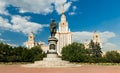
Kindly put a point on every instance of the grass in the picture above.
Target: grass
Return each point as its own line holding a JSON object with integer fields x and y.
{"x": 109, "y": 64}
{"x": 14, "y": 63}
{"x": 99, "y": 64}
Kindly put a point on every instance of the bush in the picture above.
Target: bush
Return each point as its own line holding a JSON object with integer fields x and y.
{"x": 75, "y": 52}
{"x": 112, "y": 56}
{"x": 20, "y": 54}
{"x": 37, "y": 53}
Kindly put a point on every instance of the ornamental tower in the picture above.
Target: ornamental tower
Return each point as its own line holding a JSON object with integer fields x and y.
{"x": 96, "y": 39}
{"x": 30, "y": 43}
{"x": 63, "y": 34}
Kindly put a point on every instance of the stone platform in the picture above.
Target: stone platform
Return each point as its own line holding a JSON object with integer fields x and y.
{"x": 52, "y": 60}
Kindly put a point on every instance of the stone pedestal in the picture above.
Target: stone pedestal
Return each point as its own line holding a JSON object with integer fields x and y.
{"x": 52, "y": 60}
{"x": 52, "y": 45}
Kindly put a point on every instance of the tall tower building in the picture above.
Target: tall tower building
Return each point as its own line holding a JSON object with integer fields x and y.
{"x": 30, "y": 43}
{"x": 96, "y": 39}
{"x": 63, "y": 34}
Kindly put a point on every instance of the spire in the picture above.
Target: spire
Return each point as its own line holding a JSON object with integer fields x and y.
{"x": 95, "y": 32}
{"x": 95, "y": 35}
{"x": 31, "y": 34}
{"x": 63, "y": 17}
{"x": 63, "y": 8}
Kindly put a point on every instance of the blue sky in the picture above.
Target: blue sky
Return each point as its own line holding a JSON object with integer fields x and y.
{"x": 19, "y": 18}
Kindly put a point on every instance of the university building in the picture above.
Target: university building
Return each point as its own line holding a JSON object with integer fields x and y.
{"x": 31, "y": 41}
{"x": 96, "y": 40}
{"x": 63, "y": 35}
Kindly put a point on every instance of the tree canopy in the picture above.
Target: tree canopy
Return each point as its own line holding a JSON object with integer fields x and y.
{"x": 20, "y": 54}
{"x": 112, "y": 56}
{"x": 74, "y": 52}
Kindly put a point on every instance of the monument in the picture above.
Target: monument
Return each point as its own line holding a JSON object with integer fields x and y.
{"x": 52, "y": 40}
{"x": 52, "y": 59}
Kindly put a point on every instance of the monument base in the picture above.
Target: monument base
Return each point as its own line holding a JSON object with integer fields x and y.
{"x": 52, "y": 60}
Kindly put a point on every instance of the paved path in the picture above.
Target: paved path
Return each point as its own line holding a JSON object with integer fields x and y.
{"x": 82, "y": 69}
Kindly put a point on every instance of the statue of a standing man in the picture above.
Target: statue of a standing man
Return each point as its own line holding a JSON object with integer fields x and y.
{"x": 53, "y": 27}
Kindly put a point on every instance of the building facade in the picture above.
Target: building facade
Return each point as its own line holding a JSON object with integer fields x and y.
{"x": 96, "y": 40}
{"x": 63, "y": 34}
{"x": 31, "y": 41}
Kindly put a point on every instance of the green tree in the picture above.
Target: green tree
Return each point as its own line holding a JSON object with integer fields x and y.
{"x": 27, "y": 56}
{"x": 5, "y": 52}
{"x": 95, "y": 51}
{"x": 37, "y": 53}
{"x": 74, "y": 52}
{"x": 19, "y": 54}
{"x": 112, "y": 56}
{"x": 23, "y": 54}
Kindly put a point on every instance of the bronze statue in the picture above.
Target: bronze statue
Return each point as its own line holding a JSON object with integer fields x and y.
{"x": 53, "y": 27}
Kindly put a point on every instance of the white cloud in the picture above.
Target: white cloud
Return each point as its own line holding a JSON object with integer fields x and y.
{"x": 21, "y": 24}
{"x": 3, "y": 7}
{"x": 4, "y": 23}
{"x": 6, "y": 42}
{"x": 36, "y": 6}
{"x": 104, "y": 36}
{"x": 1, "y": 39}
{"x": 82, "y": 36}
{"x": 13, "y": 45}
{"x": 74, "y": 0}
{"x": 58, "y": 5}
{"x": 110, "y": 46}
{"x": 73, "y": 12}
{"x": 74, "y": 8}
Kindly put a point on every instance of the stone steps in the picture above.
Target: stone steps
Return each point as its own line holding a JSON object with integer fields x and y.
{"x": 52, "y": 56}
